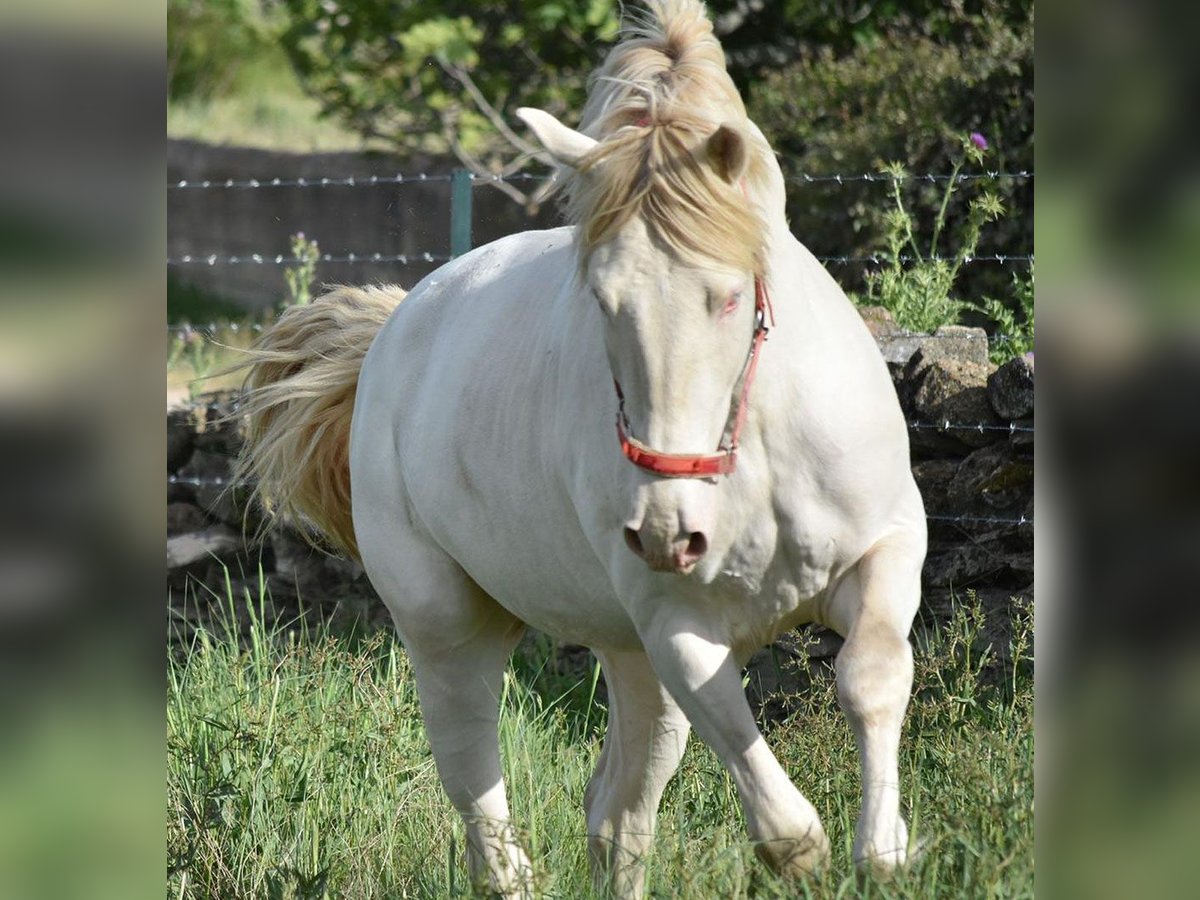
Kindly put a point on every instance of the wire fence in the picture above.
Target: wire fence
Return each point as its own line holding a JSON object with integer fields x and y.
{"x": 399, "y": 178}
{"x": 404, "y": 259}
{"x": 461, "y": 182}
{"x": 212, "y": 329}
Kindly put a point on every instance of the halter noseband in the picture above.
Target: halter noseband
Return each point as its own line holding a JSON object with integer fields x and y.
{"x": 689, "y": 465}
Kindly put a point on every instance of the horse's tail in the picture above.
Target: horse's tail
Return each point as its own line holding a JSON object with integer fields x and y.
{"x": 298, "y": 400}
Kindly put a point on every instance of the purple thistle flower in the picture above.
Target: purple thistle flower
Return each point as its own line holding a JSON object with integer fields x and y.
{"x": 979, "y": 140}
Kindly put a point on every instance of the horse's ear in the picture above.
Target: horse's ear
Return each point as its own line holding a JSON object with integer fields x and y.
{"x": 728, "y": 154}
{"x": 566, "y": 145}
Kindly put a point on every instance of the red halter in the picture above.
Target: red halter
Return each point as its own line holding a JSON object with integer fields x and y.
{"x": 689, "y": 465}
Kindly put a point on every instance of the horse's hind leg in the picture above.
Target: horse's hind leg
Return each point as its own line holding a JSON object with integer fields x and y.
{"x": 459, "y": 640}
{"x": 874, "y": 609}
{"x": 647, "y": 734}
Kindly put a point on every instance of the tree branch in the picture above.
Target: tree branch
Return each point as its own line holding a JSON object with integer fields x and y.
{"x": 463, "y": 77}
{"x": 474, "y": 165}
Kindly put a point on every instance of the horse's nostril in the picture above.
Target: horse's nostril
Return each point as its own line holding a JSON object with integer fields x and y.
{"x": 634, "y": 542}
{"x": 697, "y": 545}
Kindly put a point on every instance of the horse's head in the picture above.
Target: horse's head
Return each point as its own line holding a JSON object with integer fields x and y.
{"x": 671, "y": 252}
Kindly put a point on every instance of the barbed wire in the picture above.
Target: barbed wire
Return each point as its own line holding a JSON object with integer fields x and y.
{"x": 980, "y": 520}
{"x": 311, "y": 181}
{"x": 210, "y": 330}
{"x": 880, "y": 259}
{"x": 404, "y": 259}
{"x": 399, "y": 178}
{"x": 281, "y": 259}
{"x": 889, "y": 177}
{"x": 979, "y": 427}
{"x": 218, "y": 481}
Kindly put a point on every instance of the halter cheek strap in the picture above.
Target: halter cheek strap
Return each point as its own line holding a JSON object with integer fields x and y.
{"x": 709, "y": 465}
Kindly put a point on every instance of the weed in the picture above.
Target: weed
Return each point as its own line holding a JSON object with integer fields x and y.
{"x": 299, "y": 278}
{"x": 920, "y": 293}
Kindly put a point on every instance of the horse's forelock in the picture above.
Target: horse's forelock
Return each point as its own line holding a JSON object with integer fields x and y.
{"x": 661, "y": 92}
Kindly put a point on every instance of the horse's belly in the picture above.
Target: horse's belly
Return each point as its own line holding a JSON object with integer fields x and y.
{"x": 543, "y": 576}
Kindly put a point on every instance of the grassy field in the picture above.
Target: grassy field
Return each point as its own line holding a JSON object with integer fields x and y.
{"x": 298, "y": 767}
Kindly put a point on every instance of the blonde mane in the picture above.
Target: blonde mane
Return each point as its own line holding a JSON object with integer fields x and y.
{"x": 660, "y": 94}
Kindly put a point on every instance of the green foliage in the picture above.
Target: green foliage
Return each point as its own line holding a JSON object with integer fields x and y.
{"x": 1016, "y": 323}
{"x": 192, "y": 346}
{"x": 299, "y": 278}
{"x": 209, "y": 41}
{"x": 905, "y": 86}
{"x": 188, "y": 303}
{"x": 298, "y": 766}
{"x": 434, "y": 76}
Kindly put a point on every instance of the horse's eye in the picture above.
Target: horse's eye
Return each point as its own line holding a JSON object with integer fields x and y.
{"x": 731, "y": 303}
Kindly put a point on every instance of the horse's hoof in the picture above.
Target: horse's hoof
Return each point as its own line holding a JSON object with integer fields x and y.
{"x": 795, "y": 858}
{"x": 884, "y": 865}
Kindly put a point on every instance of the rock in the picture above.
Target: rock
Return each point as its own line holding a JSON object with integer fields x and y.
{"x": 998, "y": 607}
{"x": 899, "y": 348}
{"x": 215, "y": 494}
{"x": 992, "y": 481}
{"x": 951, "y": 391}
{"x": 184, "y": 517}
{"x": 1010, "y": 388}
{"x": 879, "y": 322}
{"x": 957, "y": 342}
{"x": 200, "y": 546}
{"x": 217, "y": 428}
{"x": 933, "y": 476}
{"x": 1022, "y": 435}
{"x": 180, "y": 438}
{"x": 972, "y": 565}
{"x": 313, "y": 574}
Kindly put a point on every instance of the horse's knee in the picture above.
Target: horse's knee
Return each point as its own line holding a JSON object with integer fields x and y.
{"x": 874, "y": 676}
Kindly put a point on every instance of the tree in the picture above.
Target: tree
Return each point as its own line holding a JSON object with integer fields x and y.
{"x": 442, "y": 76}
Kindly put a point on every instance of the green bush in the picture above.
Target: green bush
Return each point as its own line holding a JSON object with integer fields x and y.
{"x": 906, "y": 90}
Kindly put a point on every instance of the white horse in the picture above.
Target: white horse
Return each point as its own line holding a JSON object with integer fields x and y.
{"x": 750, "y": 485}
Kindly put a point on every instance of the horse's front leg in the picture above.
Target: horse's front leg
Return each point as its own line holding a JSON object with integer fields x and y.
{"x": 647, "y": 734}
{"x": 873, "y": 608}
{"x": 699, "y": 670}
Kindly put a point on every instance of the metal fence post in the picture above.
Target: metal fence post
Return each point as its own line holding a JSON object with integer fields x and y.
{"x": 460, "y": 212}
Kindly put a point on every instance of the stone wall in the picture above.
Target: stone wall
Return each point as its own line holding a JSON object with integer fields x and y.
{"x": 976, "y": 481}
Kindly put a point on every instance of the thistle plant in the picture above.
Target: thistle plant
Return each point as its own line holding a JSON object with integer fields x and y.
{"x": 916, "y": 283}
{"x": 1016, "y": 325}
{"x": 299, "y": 278}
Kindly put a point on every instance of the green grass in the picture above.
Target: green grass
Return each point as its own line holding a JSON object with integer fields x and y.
{"x": 298, "y": 767}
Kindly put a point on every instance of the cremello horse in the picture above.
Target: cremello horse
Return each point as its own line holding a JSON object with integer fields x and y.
{"x": 749, "y": 485}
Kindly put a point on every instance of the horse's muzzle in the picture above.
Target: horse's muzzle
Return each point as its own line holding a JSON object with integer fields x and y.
{"x": 679, "y": 555}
